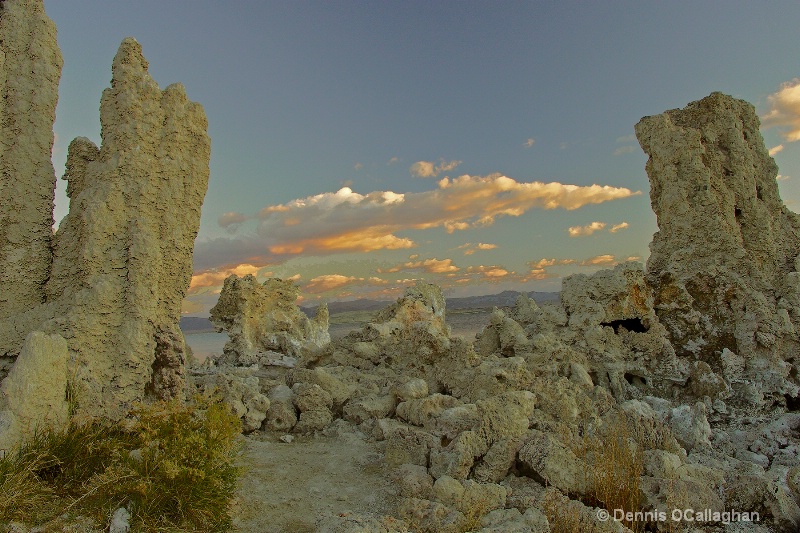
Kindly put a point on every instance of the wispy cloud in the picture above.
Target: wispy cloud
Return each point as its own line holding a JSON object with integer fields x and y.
{"x": 328, "y": 282}
{"x": 358, "y": 166}
{"x": 624, "y": 150}
{"x": 784, "y": 110}
{"x": 470, "y": 248}
{"x": 600, "y": 260}
{"x": 429, "y": 169}
{"x": 231, "y": 220}
{"x": 781, "y": 177}
{"x": 434, "y": 266}
{"x": 347, "y": 221}
{"x": 530, "y": 142}
{"x": 583, "y": 231}
{"x": 492, "y": 271}
{"x": 775, "y": 149}
{"x": 214, "y": 278}
{"x": 544, "y": 263}
{"x": 589, "y": 229}
{"x": 619, "y": 227}
{"x": 393, "y": 161}
{"x": 629, "y": 142}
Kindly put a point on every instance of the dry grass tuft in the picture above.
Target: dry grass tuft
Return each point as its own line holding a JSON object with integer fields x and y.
{"x": 172, "y": 467}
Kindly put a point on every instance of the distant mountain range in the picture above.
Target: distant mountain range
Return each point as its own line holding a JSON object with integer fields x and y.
{"x": 196, "y": 324}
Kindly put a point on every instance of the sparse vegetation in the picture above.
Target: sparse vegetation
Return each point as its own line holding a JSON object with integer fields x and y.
{"x": 614, "y": 455}
{"x": 562, "y": 516}
{"x": 171, "y": 465}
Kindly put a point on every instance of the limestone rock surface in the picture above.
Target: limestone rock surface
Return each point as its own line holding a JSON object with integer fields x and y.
{"x": 264, "y": 317}
{"x": 723, "y": 261}
{"x": 122, "y": 257}
{"x": 33, "y": 395}
{"x": 30, "y": 69}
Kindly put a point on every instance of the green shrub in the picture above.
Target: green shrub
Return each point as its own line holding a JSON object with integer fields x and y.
{"x": 171, "y": 465}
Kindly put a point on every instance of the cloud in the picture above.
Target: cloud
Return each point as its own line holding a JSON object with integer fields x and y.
{"x": 600, "y": 260}
{"x": 619, "y": 227}
{"x": 624, "y": 150}
{"x": 423, "y": 169}
{"x": 393, "y": 161}
{"x": 347, "y": 221}
{"x": 775, "y": 149}
{"x": 231, "y": 220}
{"x": 784, "y": 110}
{"x": 583, "y": 231}
{"x": 429, "y": 169}
{"x": 780, "y": 177}
{"x": 358, "y": 166}
{"x": 629, "y": 148}
{"x": 493, "y": 271}
{"x": 530, "y": 142}
{"x": 544, "y": 263}
{"x": 328, "y": 282}
{"x": 433, "y": 266}
{"x": 214, "y": 278}
{"x": 470, "y": 248}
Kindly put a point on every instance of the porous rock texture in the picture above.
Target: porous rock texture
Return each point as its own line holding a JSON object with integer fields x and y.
{"x": 723, "y": 262}
{"x": 32, "y": 397}
{"x": 261, "y": 318}
{"x": 122, "y": 257}
{"x": 30, "y": 69}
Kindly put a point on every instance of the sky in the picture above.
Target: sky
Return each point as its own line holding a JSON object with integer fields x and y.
{"x": 482, "y": 146}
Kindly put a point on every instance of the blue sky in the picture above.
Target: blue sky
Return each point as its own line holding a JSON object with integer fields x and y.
{"x": 359, "y": 145}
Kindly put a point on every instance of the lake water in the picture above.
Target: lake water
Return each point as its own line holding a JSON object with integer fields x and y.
{"x": 206, "y": 344}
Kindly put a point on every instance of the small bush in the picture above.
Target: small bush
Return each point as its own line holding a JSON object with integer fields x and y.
{"x": 171, "y": 465}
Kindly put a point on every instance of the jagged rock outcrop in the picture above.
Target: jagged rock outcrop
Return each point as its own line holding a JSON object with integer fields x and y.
{"x": 261, "y": 318}
{"x": 723, "y": 262}
{"x": 30, "y": 69}
{"x": 122, "y": 257}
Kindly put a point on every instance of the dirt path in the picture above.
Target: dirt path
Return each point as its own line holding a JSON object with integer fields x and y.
{"x": 288, "y": 486}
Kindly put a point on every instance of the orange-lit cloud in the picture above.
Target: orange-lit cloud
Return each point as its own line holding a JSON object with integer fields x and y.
{"x": 433, "y": 266}
{"x": 530, "y": 142}
{"x": 215, "y": 278}
{"x": 775, "y": 149}
{"x": 493, "y": 271}
{"x": 349, "y": 221}
{"x": 784, "y": 110}
{"x": 583, "y": 231}
{"x": 619, "y": 227}
{"x": 429, "y": 169}
{"x": 600, "y": 260}
{"x": 544, "y": 263}
{"x": 328, "y": 282}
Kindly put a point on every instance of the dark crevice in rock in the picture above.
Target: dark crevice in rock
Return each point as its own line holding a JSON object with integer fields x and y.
{"x": 630, "y": 324}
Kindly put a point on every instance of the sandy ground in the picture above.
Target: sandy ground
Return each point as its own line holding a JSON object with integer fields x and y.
{"x": 288, "y": 486}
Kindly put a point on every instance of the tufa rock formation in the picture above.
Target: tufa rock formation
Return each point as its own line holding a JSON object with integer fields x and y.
{"x": 30, "y": 69}
{"x": 723, "y": 264}
{"x": 265, "y": 318}
{"x": 122, "y": 258}
{"x": 32, "y": 396}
